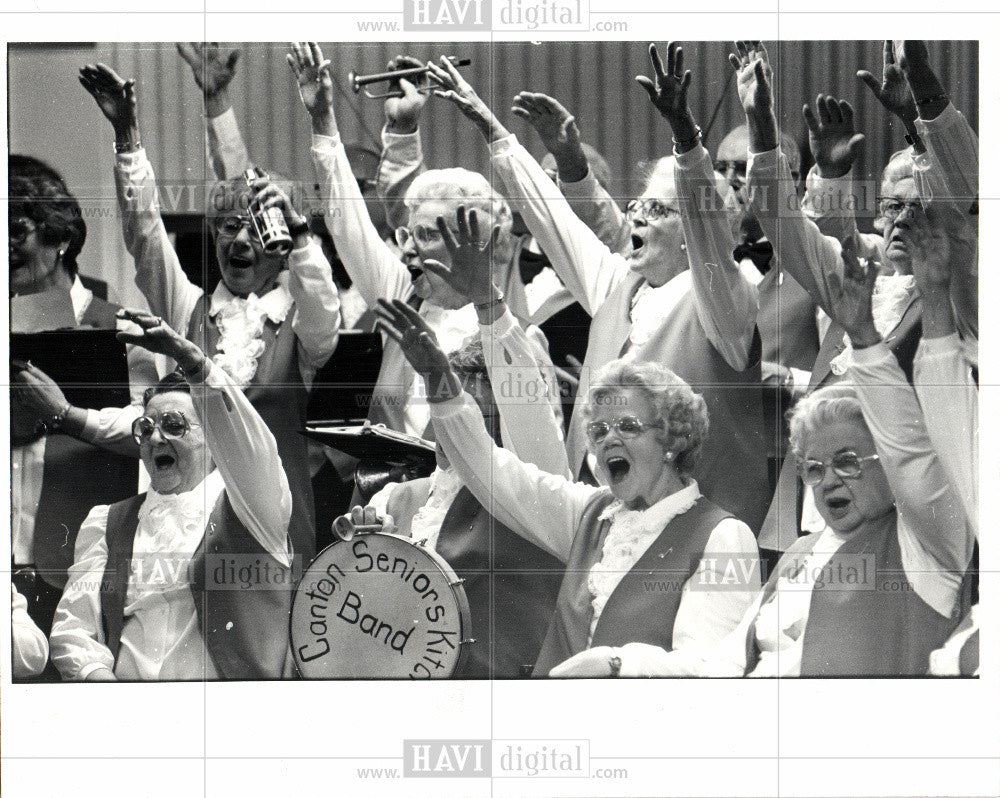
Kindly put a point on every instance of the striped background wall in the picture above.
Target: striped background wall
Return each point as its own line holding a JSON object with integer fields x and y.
{"x": 593, "y": 79}
{"x": 50, "y": 116}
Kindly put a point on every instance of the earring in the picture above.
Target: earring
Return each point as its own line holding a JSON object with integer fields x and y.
{"x": 684, "y": 247}
{"x": 669, "y": 456}
{"x": 60, "y": 255}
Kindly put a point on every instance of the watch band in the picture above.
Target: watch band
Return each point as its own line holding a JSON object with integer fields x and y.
{"x": 298, "y": 229}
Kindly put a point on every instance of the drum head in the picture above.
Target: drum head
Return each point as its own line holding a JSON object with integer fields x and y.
{"x": 379, "y": 607}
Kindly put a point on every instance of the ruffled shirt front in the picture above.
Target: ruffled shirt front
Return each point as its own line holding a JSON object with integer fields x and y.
{"x": 632, "y": 533}
{"x": 890, "y": 299}
{"x": 445, "y": 483}
{"x": 161, "y": 638}
{"x": 241, "y": 327}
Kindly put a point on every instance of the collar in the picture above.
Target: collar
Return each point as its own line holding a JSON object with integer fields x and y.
{"x": 660, "y": 514}
{"x": 81, "y": 297}
{"x": 275, "y": 304}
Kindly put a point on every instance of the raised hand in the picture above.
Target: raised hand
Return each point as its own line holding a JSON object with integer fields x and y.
{"x": 37, "y": 392}
{"x": 402, "y": 114}
{"x": 753, "y": 77}
{"x": 894, "y": 90}
{"x": 851, "y": 297}
{"x": 557, "y": 129}
{"x": 159, "y": 337}
{"x": 312, "y": 73}
{"x": 114, "y": 95}
{"x": 926, "y": 238}
{"x": 362, "y": 520}
{"x": 213, "y": 66}
{"x": 457, "y": 90}
{"x": 669, "y": 87}
{"x": 471, "y": 262}
{"x": 927, "y": 91}
{"x": 268, "y": 194}
{"x": 420, "y": 346}
{"x": 832, "y": 139}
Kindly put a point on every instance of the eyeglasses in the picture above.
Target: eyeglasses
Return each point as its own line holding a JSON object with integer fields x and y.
{"x": 892, "y": 207}
{"x": 232, "y": 226}
{"x": 627, "y": 427}
{"x": 846, "y": 465}
{"x": 423, "y": 236}
{"x": 19, "y": 228}
{"x": 650, "y": 209}
{"x": 172, "y": 425}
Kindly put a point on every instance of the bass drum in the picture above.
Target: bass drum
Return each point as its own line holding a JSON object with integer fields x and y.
{"x": 379, "y": 607}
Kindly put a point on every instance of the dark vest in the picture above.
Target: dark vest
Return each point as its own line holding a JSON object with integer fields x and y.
{"x": 643, "y": 606}
{"x": 76, "y": 477}
{"x": 245, "y": 630}
{"x": 787, "y": 323}
{"x": 732, "y": 469}
{"x": 278, "y": 395}
{"x": 511, "y": 586}
{"x": 781, "y": 526}
{"x": 882, "y": 628}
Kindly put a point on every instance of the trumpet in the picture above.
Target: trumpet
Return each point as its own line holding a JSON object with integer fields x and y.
{"x": 356, "y": 82}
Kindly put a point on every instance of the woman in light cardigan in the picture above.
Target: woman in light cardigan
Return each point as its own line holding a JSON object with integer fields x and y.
{"x": 656, "y": 573}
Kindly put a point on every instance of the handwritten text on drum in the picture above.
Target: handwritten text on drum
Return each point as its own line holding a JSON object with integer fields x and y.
{"x": 377, "y": 614}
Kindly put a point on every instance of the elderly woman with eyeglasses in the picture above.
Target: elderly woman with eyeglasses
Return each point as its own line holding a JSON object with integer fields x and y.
{"x": 192, "y": 579}
{"x": 884, "y": 583}
{"x": 271, "y": 322}
{"x": 379, "y": 272}
{"x": 656, "y": 573}
{"x": 678, "y": 298}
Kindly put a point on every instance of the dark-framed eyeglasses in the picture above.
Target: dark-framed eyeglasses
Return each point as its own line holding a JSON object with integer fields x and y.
{"x": 846, "y": 465}
{"x": 892, "y": 207}
{"x": 627, "y": 427}
{"x": 173, "y": 425}
{"x": 232, "y": 226}
{"x": 423, "y": 236}
{"x": 19, "y": 228}
{"x": 650, "y": 209}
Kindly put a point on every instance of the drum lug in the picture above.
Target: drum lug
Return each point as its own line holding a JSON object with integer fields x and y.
{"x": 467, "y": 641}
{"x": 459, "y": 581}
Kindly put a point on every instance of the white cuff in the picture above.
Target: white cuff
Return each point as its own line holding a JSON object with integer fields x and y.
{"x": 90, "y": 668}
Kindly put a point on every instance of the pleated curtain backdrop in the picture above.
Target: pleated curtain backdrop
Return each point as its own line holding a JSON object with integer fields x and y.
{"x": 593, "y": 79}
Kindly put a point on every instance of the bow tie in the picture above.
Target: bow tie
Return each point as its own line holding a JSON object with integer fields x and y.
{"x": 760, "y": 253}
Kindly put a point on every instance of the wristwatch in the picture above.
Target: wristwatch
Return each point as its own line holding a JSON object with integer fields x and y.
{"x": 616, "y": 666}
{"x": 53, "y": 422}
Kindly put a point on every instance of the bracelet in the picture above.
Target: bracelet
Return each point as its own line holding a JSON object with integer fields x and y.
{"x": 616, "y": 666}
{"x": 128, "y": 149}
{"x": 54, "y": 422}
{"x": 684, "y": 142}
{"x": 491, "y": 304}
{"x": 934, "y": 99}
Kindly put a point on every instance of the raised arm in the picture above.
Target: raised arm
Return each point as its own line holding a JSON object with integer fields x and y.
{"x": 545, "y": 509}
{"x": 158, "y": 271}
{"x": 934, "y": 533}
{"x": 524, "y": 395}
{"x": 947, "y": 135}
{"x": 942, "y": 377}
{"x": 811, "y": 258}
{"x": 372, "y": 266}
{"x": 558, "y": 130}
{"x": 402, "y": 152}
{"x": 587, "y": 267}
{"x": 242, "y": 446}
{"x": 213, "y": 68}
{"x": 725, "y": 301}
{"x": 316, "y": 322}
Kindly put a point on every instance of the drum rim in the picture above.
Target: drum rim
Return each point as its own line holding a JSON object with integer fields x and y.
{"x": 456, "y": 584}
